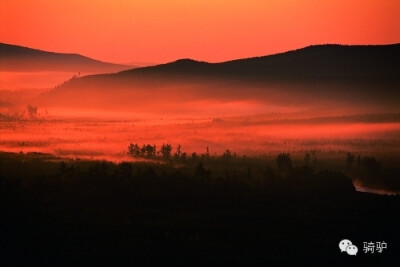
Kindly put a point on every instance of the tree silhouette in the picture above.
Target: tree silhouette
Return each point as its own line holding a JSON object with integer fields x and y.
{"x": 359, "y": 161}
{"x": 183, "y": 156}
{"x": 166, "y": 151}
{"x": 284, "y": 162}
{"x": 201, "y": 171}
{"x": 207, "y": 153}
{"x": 314, "y": 158}
{"x": 130, "y": 149}
{"x": 371, "y": 165}
{"x": 62, "y": 166}
{"x": 150, "y": 151}
{"x": 227, "y": 155}
{"x": 32, "y": 111}
{"x": 134, "y": 150}
{"x": 143, "y": 151}
{"x": 350, "y": 159}
{"x": 178, "y": 153}
{"x": 307, "y": 159}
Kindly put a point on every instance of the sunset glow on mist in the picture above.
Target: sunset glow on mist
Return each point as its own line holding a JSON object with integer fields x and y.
{"x": 159, "y": 31}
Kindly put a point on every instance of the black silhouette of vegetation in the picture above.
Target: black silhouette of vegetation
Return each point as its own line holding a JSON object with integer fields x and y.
{"x": 208, "y": 210}
{"x": 32, "y": 111}
{"x": 307, "y": 159}
{"x": 284, "y": 162}
{"x": 166, "y": 151}
{"x": 146, "y": 151}
{"x": 350, "y": 159}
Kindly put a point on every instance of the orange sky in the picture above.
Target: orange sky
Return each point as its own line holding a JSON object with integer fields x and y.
{"x": 155, "y": 31}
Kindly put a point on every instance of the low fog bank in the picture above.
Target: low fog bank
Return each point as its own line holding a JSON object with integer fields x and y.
{"x": 218, "y": 101}
{"x": 218, "y": 98}
{"x": 316, "y": 81}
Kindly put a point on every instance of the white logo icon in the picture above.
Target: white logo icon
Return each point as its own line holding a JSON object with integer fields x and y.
{"x": 346, "y": 246}
{"x": 352, "y": 250}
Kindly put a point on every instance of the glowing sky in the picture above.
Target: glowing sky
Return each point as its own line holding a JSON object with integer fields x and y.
{"x": 155, "y": 31}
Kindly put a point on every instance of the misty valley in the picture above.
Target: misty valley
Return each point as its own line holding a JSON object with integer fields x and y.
{"x": 108, "y": 140}
{"x": 243, "y": 162}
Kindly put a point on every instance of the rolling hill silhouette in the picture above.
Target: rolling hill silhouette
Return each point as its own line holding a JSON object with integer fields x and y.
{"x": 349, "y": 74}
{"x": 18, "y": 58}
{"x": 319, "y": 62}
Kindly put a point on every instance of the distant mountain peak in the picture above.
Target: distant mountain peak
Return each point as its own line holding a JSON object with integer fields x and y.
{"x": 187, "y": 61}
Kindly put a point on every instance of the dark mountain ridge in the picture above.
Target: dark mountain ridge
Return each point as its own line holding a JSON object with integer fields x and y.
{"x": 318, "y": 61}
{"x": 19, "y": 58}
{"x": 369, "y": 66}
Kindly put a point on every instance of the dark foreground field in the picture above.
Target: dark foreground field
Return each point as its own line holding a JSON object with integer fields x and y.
{"x": 218, "y": 212}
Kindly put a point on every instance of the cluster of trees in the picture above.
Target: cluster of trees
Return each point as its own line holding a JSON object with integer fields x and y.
{"x": 284, "y": 161}
{"x": 369, "y": 164}
{"x": 150, "y": 151}
{"x": 310, "y": 157}
{"x": 371, "y": 173}
{"x": 368, "y": 168}
{"x": 228, "y": 155}
{"x": 146, "y": 151}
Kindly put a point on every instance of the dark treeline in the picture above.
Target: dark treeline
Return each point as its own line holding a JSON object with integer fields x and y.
{"x": 367, "y": 170}
{"x": 370, "y": 172}
{"x": 204, "y": 212}
{"x": 150, "y": 151}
